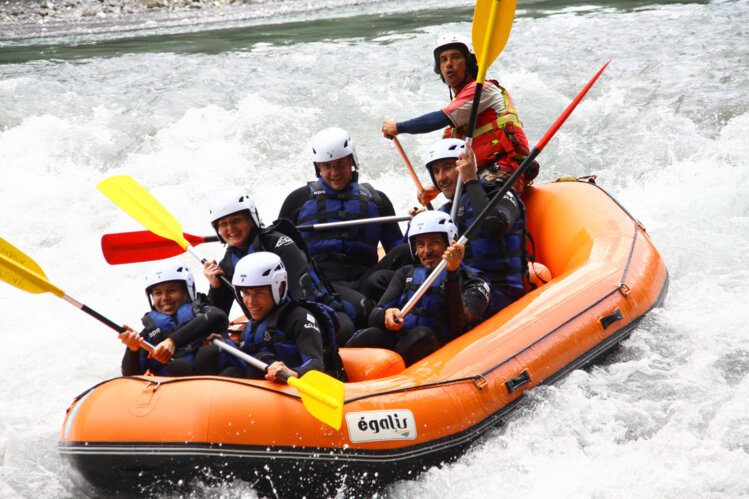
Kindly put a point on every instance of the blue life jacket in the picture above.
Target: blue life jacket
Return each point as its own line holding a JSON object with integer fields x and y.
{"x": 356, "y": 243}
{"x": 267, "y": 337}
{"x": 158, "y": 326}
{"x": 502, "y": 260}
{"x": 431, "y": 309}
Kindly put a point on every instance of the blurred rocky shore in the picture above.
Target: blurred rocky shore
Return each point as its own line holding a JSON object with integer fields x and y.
{"x": 41, "y": 10}
{"x": 45, "y": 18}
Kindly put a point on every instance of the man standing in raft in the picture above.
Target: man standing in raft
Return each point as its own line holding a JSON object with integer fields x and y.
{"x": 456, "y": 301}
{"x": 237, "y": 223}
{"x": 178, "y": 321}
{"x": 345, "y": 256}
{"x": 497, "y": 248}
{"x": 293, "y": 337}
{"x": 499, "y": 142}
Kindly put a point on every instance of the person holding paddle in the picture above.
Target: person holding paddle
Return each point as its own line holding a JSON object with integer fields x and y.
{"x": 293, "y": 337}
{"x": 456, "y": 301}
{"x": 346, "y": 256}
{"x": 237, "y": 223}
{"x": 177, "y": 323}
{"x": 498, "y": 140}
{"x": 498, "y": 245}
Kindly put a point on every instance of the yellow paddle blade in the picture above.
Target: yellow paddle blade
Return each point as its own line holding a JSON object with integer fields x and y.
{"x": 492, "y": 22}
{"x": 137, "y": 202}
{"x": 322, "y": 396}
{"x": 19, "y": 270}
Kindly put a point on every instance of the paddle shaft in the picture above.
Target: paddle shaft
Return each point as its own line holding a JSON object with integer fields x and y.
{"x": 191, "y": 249}
{"x": 241, "y": 355}
{"x": 410, "y": 169}
{"x": 96, "y": 315}
{"x": 351, "y": 223}
{"x": 502, "y": 191}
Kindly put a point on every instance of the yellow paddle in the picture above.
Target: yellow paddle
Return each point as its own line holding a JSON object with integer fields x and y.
{"x": 492, "y": 22}
{"x": 322, "y": 395}
{"x": 19, "y": 270}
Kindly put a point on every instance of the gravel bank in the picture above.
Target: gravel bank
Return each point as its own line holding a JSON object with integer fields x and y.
{"x": 40, "y": 10}
{"x": 21, "y": 19}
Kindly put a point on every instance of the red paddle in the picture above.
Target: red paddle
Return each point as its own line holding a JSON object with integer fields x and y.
{"x": 144, "y": 246}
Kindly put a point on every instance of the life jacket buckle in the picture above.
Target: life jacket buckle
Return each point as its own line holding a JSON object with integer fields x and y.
{"x": 479, "y": 381}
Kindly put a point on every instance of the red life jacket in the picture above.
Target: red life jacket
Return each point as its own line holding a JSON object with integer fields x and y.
{"x": 498, "y": 138}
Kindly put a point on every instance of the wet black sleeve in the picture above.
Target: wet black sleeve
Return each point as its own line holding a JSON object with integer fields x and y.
{"x": 209, "y": 320}
{"x": 390, "y": 298}
{"x": 293, "y": 203}
{"x": 500, "y": 220}
{"x": 297, "y": 266}
{"x": 467, "y": 299}
{"x": 303, "y": 326}
{"x": 391, "y": 234}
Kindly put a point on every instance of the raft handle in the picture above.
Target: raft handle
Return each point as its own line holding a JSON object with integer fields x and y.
{"x": 155, "y": 385}
{"x": 518, "y": 381}
{"x": 480, "y": 381}
{"x": 624, "y": 289}
{"x": 610, "y": 319}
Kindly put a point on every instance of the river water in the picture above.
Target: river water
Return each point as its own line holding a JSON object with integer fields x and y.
{"x": 192, "y": 109}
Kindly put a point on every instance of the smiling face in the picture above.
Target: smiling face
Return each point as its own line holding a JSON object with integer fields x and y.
{"x": 452, "y": 67}
{"x": 259, "y": 301}
{"x": 169, "y": 296}
{"x": 429, "y": 248}
{"x": 338, "y": 172}
{"x": 445, "y": 176}
{"x": 235, "y": 229}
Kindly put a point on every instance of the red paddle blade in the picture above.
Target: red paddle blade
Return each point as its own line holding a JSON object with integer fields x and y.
{"x": 143, "y": 246}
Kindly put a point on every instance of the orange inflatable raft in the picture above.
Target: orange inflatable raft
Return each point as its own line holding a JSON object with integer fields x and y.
{"x": 134, "y": 432}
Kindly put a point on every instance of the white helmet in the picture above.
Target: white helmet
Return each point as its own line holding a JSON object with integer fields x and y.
{"x": 167, "y": 272}
{"x": 443, "y": 149}
{"x": 331, "y": 144}
{"x": 452, "y": 39}
{"x": 430, "y": 222}
{"x": 228, "y": 203}
{"x": 262, "y": 269}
